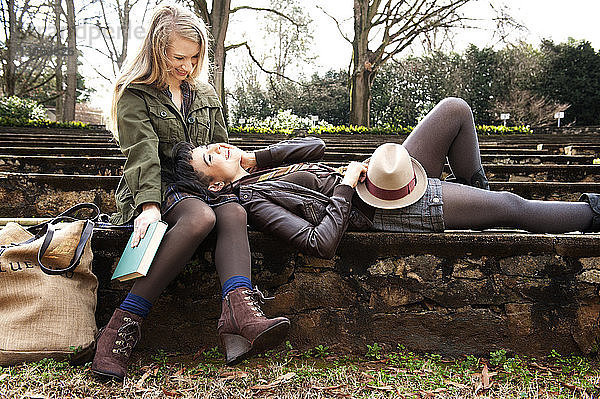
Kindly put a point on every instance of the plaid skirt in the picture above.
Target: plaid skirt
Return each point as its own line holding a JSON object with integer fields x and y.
{"x": 174, "y": 196}
{"x": 424, "y": 216}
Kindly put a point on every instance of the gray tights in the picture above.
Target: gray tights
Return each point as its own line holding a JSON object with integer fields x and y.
{"x": 448, "y": 132}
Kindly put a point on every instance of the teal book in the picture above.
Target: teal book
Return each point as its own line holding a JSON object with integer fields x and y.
{"x": 135, "y": 262}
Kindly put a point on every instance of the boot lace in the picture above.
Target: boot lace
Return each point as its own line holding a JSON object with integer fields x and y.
{"x": 128, "y": 336}
{"x": 255, "y": 298}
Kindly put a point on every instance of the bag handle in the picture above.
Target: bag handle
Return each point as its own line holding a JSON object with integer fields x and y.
{"x": 69, "y": 215}
{"x": 46, "y": 229}
{"x": 86, "y": 234}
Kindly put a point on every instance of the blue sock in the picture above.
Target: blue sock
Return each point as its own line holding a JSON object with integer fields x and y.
{"x": 235, "y": 282}
{"x": 136, "y": 305}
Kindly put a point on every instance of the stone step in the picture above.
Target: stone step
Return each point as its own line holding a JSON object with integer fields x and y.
{"x": 453, "y": 293}
{"x": 103, "y": 151}
{"x": 112, "y": 166}
{"x": 40, "y": 195}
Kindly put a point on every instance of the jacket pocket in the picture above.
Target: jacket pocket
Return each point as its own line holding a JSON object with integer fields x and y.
{"x": 198, "y": 124}
{"x": 164, "y": 122}
{"x": 313, "y": 212}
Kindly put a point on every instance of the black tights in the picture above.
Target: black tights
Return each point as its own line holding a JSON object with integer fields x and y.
{"x": 448, "y": 132}
{"x": 190, "y": 221}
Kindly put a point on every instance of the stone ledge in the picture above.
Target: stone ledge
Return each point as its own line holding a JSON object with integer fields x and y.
{"x": 452, "y": 293}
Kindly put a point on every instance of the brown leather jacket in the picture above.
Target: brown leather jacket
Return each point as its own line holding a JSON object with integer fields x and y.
{"x": 309, "y": 220}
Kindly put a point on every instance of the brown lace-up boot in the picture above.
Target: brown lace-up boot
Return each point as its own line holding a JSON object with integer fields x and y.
{"x": 115, "y": 343}
{"x": 243, "y": 328}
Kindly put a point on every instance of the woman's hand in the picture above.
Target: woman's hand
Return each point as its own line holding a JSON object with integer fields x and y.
{"x": 355, "y": 172}
{"x": 150, "y": 214}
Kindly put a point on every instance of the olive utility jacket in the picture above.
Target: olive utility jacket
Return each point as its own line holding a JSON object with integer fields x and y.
{"x": 149, "y": 125}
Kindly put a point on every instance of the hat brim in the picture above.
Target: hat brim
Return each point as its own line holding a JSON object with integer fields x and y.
{"x": 410, "y": 199}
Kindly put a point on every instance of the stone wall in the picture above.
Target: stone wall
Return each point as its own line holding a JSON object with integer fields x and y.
{"x": 452, "y": 293}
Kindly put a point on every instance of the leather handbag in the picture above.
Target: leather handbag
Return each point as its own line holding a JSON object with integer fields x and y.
{"x": 47, "y": 289}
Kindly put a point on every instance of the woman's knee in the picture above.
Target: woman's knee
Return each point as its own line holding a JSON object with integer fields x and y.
{"x": 195, "y": 218}
{"x": 455, "y": 106}
{"x": 510, "y": 203}
{"x": 231, "y": 214}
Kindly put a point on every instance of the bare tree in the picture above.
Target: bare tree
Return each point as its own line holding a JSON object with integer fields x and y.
{"x": 27, "y": 48}
{"x": 218, "y": 20}
{"x": 58, "y": 68}
{"x": 115, "y": 42}
{"x": 383, "y": 29}
{"x": 71, "y": 78}
{"x": 290, "y": 41}
{"x": 11, "y": 39}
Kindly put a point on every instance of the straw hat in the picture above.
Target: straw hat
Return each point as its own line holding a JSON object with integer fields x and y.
{"x": 394, "y": 178}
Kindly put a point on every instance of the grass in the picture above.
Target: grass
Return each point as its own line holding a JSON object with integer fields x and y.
{"x": 315, "y": 374}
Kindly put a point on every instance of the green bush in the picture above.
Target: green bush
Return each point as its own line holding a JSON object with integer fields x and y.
{"x": 378, "y": 130}
{"x": 43, "y": 123}
{"x": 21, "y": 108}
{"x": 487, "y": 129}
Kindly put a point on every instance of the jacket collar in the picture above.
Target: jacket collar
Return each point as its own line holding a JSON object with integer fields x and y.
{"x": 205, "y": 95}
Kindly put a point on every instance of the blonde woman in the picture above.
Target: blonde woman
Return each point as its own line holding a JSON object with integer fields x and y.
{"x": 162, "y": 97}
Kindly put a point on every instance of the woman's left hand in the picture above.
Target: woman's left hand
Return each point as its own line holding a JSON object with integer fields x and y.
{"x": 355, "y": 172}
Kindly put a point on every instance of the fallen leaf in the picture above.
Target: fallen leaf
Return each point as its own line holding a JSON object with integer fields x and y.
{"x": 171, "y": 393}
{"x": 280, "y": 380}
{"x": 177, "y": 373}
{"x": 233, "y": 374}
{"x": 571, "y": 386}
{"x": 455, "y": 384}
{"x": 328, "y": 388}
{"x": 382, "y": 388}
{"x": 3, "y": 377}
{"x": 369, "y": 376}
{"x": 485, "y": 377}
{"x": 286, "y": 377}
{"x": 140, "y": 382}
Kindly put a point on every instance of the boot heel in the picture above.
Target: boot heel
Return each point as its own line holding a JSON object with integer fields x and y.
{"x": 236, "y": 347}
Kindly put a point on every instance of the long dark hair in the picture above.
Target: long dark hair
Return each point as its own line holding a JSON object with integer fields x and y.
{"x": 186, "y": 179}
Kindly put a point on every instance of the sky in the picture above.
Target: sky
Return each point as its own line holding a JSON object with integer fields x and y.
{"x": 544, "y": 19}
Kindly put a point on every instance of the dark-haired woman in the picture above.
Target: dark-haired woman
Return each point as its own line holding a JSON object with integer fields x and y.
{"x": 311, "y": 205}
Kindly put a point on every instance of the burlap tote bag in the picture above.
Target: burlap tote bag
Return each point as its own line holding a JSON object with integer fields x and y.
{"x": 47, "y": 291}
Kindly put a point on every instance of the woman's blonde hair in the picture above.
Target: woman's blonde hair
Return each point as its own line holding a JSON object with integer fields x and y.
{"x": 150, "y": 64}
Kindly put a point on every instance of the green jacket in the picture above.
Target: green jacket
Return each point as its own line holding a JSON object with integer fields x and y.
{"x": 149, "y": 125}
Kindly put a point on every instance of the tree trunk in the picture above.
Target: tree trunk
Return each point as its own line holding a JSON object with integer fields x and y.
{"x": 124, "y": 19}
{"x": 360, "y": 84}
{"x": 360, "y": 100}
{"x": 219, "y": 19}
{"x": 71, "y": 91}
{"x": 11, "y": 43}
{"x": 59, "y": 61}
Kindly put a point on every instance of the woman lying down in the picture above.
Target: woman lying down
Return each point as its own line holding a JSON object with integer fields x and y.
{"x": 310, "y": 205}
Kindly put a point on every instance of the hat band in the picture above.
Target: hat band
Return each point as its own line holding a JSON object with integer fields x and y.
{"x": 391, "y": 195}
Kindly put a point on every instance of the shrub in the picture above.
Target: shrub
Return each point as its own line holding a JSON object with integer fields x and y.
{"x": 22, "y": 122}
{"x": 21, "y": 108}
{"x": 377, "y": 130}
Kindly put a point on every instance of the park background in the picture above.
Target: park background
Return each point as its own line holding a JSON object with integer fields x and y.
{"x": 300, "y": 62}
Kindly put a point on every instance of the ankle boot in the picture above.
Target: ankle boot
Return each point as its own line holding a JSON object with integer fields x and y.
{"x": 593, "y": 201}
{"x": 243, "y": 328}
{"x": 115, "y": 343}
{"x": 477, "y": 180}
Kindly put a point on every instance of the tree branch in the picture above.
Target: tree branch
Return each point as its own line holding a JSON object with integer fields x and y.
{"x": 245, "y": 44}
{"x": 282, "y": 15}
{"x": 337, "y": 23}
